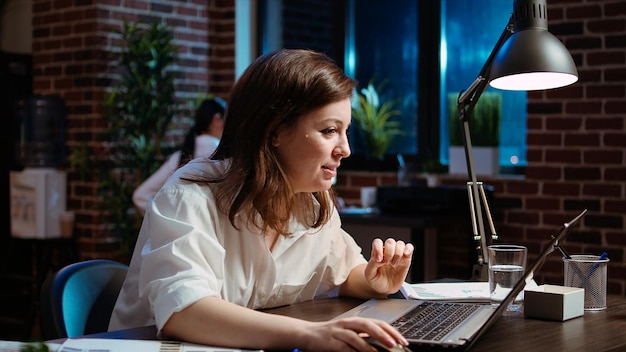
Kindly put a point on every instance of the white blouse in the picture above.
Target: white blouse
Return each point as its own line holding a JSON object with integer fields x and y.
{"x": 188, "y": 250}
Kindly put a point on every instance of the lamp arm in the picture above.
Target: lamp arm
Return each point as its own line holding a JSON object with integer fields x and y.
{"x": 469, "y": 97}
{"x": 466, "y": 101}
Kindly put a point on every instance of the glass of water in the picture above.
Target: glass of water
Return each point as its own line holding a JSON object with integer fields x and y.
{"x": 507, "y": 263}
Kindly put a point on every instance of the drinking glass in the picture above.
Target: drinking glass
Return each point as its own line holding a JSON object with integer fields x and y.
{"x": 507, "y": 263}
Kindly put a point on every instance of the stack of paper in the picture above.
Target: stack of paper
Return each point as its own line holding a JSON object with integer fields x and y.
{"x": 110, "y": 345}
{"x": 448, "y": 291}
{"x": 113, "y": 345}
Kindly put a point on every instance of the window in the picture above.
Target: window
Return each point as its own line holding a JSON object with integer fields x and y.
{"x": 382, "y": 45}
{"x": 469, "y": 31}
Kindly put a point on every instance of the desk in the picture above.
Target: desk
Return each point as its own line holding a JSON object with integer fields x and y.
{"x": 595, "y": 331}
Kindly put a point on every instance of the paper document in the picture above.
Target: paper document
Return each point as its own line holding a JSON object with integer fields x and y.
{"x": 111, "y": 345}
{"x": 447, "y": 291}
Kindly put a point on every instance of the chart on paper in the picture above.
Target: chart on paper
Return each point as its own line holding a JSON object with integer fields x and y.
{"x": 448, "y": 291}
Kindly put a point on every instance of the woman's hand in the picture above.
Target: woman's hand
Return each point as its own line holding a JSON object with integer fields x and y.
{"x": 388, "y": 265}
{"x": 348, "y": 334}
{"x": 231, "y": 325}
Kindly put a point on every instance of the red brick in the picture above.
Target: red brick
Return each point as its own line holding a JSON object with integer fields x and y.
{"x": 606, "y": 26}
{"x": 606, "y": 157}
{"x": 615, "y": 107}
{"x": 602, "y": 190}
{"x": 561, "y": 189}
{"x": 582, "y": 139}
{"x": 587, "y": 11}
{"x": 542, "y": 203}
{"x": 587, "y": 107}
{"x": 606, "y": 57}
{"x": 606, "y": 91}
{"x": 614, "y": 140}
{"x": 559, "y": 156}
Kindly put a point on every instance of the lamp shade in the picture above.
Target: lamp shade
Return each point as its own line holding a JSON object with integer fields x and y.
{"x": 532, "y": 58}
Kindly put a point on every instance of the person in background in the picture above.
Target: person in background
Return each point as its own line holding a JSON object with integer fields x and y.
{"x": 200, "y": 141}
{"x": 254, "y": 226}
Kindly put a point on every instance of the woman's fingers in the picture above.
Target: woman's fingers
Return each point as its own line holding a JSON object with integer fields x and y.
{"x": 370, "y": 328}
{"x": 391, "y": 251}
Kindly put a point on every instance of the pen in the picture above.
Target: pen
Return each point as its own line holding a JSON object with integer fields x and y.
{"x": 596, "y": 265}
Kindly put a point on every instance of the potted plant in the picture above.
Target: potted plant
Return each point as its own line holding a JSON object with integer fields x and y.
{"x": 138, "y": 111}
{"x": 431, "y": 169}
{"x": 373, "y": 116}
{"x": 484, "y": 125}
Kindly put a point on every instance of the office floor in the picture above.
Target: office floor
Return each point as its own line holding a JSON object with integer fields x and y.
{"x": 17, "y": 317}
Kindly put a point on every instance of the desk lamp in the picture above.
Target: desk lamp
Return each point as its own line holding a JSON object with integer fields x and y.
{"x": 526, "y": 57}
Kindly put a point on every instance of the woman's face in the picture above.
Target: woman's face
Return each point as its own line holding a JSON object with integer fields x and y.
{"x": 216, "y": 127}
{"x": 312, "y": 149}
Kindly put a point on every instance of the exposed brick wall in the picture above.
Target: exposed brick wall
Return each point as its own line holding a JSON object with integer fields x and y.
{"x": 221, "y": 59}
{"x": 576, "y": 135}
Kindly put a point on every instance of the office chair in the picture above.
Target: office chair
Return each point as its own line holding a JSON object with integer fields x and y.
{"x": 79, "y": 298}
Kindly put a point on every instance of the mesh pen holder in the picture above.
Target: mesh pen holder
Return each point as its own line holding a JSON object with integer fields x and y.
{"x": 588, "y": 272}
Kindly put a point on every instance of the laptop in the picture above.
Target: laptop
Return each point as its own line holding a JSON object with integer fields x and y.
{"x": 469, "y": 320}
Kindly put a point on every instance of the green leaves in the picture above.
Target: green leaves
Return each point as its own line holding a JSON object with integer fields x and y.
{"x": 484, "y": 121}
{"x": 34, "y": 347}
{"x": 138, "y": 111}
{"x": 143, "y": 99}
{"x": 373, "y": 118}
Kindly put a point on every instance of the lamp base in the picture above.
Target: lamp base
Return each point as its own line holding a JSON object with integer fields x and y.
{"x": 480, "y": 272}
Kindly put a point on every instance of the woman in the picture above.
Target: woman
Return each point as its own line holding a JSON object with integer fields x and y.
{"x": 201, "y": 140}
{"x": 255, "y": 226}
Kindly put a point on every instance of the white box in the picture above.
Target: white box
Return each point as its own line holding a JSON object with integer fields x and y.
{"x": 554, "y": 302}
{"x": 38, "y": 197}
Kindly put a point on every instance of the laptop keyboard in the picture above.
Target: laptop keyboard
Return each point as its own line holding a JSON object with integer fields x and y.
{"x": 433, "y": 320}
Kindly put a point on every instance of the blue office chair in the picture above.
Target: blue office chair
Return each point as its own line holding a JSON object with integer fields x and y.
{"x": 79, "y": 298}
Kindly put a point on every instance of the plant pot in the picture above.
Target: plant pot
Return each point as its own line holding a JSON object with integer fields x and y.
{"x": 486, "y": 160}
{"x": 432, "y": 180}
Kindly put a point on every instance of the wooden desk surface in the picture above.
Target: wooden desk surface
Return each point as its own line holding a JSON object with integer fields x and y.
{"x": 595, "y": 331}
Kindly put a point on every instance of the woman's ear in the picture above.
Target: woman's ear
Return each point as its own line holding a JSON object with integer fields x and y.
{"x": 276, "y": 135}
{"x": 275, "y": 140}
{"x": 279, "y": 133}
